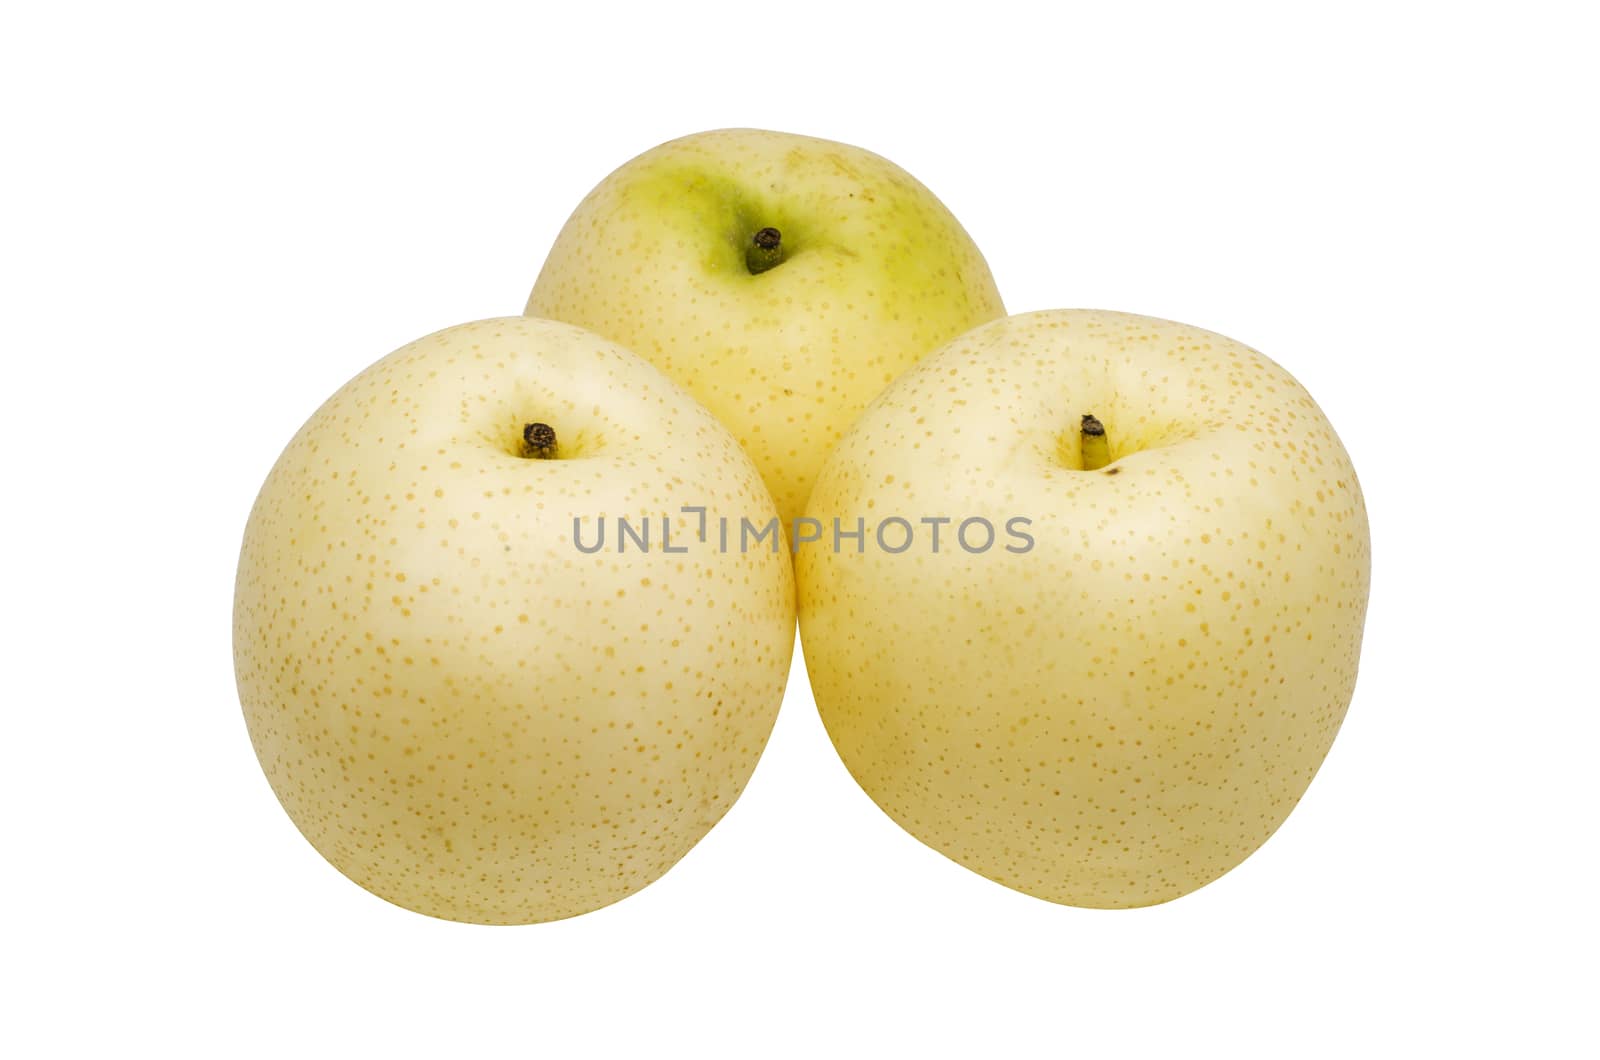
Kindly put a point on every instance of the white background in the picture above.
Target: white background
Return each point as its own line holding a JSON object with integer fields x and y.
{"x": 214, "y": 214}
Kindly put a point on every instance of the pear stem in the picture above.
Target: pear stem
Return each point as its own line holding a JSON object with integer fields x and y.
{"x": 764, "y": 251}
{"x": 538, "y": 441}
{"x": 1096, "y": 449}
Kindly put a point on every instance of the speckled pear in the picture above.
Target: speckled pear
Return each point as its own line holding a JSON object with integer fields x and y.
{"x": 783, "y": 280}
{"x": 462, "y": 710}
{"x": 1128, "y": 708}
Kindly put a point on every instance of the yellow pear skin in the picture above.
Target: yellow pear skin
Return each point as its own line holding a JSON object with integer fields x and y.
{"x": 462, "y": 711}
{"x": 783, "y": 280}
{"x": 1125, "y": 710}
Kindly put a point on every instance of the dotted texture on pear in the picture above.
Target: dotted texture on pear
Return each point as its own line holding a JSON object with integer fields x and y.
{"x": 460, "y": 710}
{"x": 877, "y": 274}
{"x": 1130, "y": 709}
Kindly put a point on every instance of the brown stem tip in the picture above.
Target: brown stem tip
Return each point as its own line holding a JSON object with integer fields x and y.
{"x": 1096, "y": 447}
{"x": 764, "y": 251}
{"x": 539, "y": 441}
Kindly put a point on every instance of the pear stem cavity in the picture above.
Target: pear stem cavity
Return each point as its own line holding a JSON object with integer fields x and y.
{"x": 764, "y": 251}
{"x": 1096, "y": 449}
{"x": 538, "y": 441}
